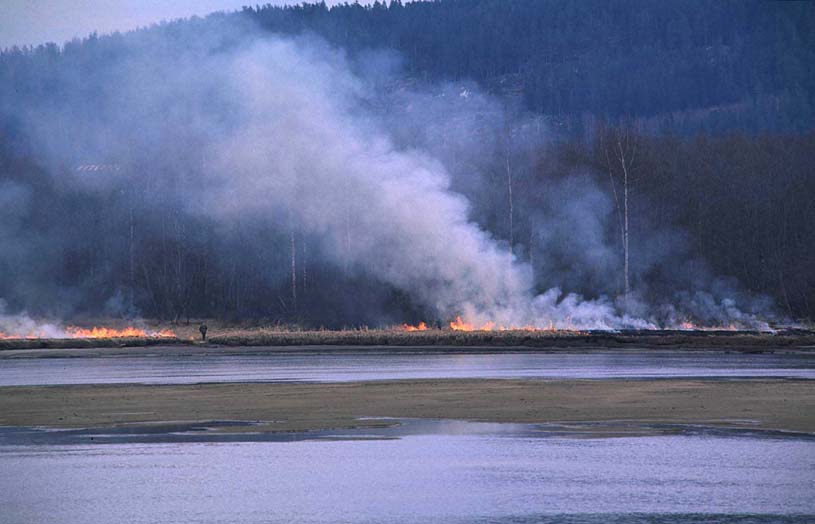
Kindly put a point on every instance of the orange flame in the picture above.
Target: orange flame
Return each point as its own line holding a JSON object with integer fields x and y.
{"x": 30, "y": 335}
{"x": 421, "y": 327}
{"x": 95, "y": 332}
{"x": 690, "y": 326}
{"x": 460, "y": 325}
{"x": 103, "y": 332}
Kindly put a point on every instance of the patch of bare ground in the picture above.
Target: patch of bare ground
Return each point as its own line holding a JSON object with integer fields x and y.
{"x": 786, "y": 405}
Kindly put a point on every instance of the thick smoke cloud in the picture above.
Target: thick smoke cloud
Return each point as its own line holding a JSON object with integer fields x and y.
{"x": 304, "y": 150}
{"x": 265, "y": 135}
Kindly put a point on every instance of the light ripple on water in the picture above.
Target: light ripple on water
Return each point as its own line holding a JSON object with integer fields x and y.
{"x": 452, "y": 476}
{"x": 293, "y": 367}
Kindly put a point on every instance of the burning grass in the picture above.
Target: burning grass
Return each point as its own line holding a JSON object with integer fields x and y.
{"x": 128, "y": 332}
{"x": 460, "y": 325}
{"x": 51, "y": 336}
{"x": 423, "y": 335}
{"x": 420, "y": 335}
{"x": 71, "y": 332}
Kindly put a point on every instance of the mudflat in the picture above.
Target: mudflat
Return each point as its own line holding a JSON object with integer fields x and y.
{"x": 787, "y": 405}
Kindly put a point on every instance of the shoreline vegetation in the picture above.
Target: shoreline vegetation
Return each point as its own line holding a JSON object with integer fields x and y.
{"x": 441, "y": 338}
{"x": 778, "y": 405}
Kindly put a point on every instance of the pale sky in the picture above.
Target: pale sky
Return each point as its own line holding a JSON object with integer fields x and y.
{"x": 38, "y": 21}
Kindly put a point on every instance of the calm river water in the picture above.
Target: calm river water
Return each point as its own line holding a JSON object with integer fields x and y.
{"x": 447, "y": 476}
{"x": 421, "y": 472}
{"x": 186, "y": 369}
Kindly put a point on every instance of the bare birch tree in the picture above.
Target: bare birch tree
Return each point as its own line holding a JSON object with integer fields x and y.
{"x": 508, "y": 164}
{"x": 624, "y": 148}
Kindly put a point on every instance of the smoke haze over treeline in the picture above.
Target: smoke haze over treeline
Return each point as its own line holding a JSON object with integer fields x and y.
{"x": 258, "y": 165}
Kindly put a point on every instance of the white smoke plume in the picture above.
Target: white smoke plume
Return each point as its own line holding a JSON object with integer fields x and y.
{"x": 284, "y": 132}
{"x": 306, "y": 150}
{"x": 21, "y": 325}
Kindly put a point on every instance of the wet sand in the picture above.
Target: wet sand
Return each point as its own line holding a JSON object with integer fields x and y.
{"x": 188, "y": 349}
{"x": 786, "y": 405}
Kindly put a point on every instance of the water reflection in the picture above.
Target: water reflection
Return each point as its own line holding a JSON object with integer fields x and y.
{"x": 222, "y": 431}
{"x": 187, "y": 369}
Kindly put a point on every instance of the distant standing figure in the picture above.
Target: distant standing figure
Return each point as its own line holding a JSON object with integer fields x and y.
{"x": 203, "y": 330}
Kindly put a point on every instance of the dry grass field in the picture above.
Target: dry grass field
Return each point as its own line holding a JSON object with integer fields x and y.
{"x": 222, "y": 334}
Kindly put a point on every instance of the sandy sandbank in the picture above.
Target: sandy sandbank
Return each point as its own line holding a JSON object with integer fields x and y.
{"x": 787, "y": 405}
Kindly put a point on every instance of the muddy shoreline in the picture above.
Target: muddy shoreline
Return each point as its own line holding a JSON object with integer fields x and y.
{"x": 203, "y": 350}
{"x": 783, "y": 405}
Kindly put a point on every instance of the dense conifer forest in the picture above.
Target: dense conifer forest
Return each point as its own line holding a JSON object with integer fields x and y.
{"x": 679, "y": 66}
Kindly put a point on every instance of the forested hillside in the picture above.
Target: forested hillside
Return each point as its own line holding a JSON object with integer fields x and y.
{"x": 684, "y": 65}
{"x": 541, "y": 113}
{"x": 677, "y": 65}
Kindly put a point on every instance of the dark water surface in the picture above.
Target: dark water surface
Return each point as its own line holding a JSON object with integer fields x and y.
{"x": 186, "y": 369}
{"x": 453, "y": 473}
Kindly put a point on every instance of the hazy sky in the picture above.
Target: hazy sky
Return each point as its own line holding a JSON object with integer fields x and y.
{"x": 37, "y": 21}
